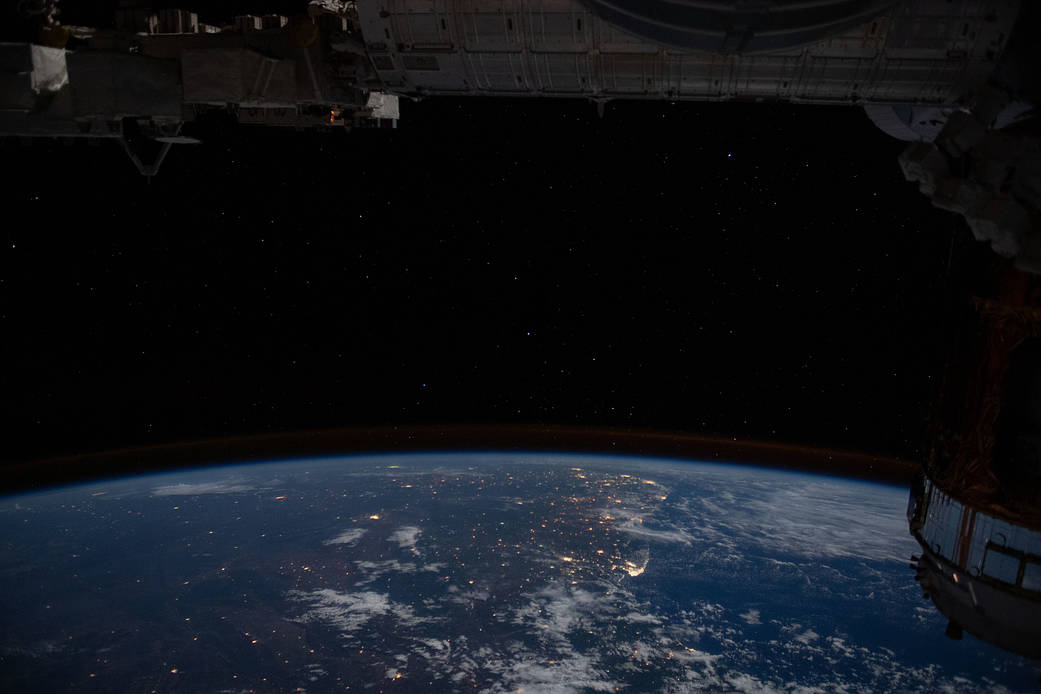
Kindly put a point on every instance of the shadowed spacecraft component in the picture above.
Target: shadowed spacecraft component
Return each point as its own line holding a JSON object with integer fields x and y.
{"x": 737, "y": 27}
{"x": 981, "y": 571}
{"x": 950, "y": 76}
{"x": 976, "y": 508}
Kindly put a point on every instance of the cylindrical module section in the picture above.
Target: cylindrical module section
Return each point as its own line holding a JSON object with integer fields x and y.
{"x": 912, "y": 52}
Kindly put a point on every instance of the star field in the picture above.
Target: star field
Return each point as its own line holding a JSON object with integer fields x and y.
{"x": 749, "y": 271}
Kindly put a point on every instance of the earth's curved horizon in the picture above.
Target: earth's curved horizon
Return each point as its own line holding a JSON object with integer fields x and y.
{"x": 563, "y": 573}
{"x": 247, "y": 449}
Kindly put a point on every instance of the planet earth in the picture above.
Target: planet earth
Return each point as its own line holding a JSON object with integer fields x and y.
{"x": 475, "y": 572}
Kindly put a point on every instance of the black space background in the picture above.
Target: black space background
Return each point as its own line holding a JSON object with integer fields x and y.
{"x": 743, "y": 270}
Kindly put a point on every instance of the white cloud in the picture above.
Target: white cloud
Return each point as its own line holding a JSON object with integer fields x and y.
{"x": 831, "y": 519}
{"x": 436, "y": 644}
{"x": 641, "y": 618}
{"x": 347, "y": 537}
{"x": 202, "y": 488}
{"x": 807, "y": 637}
{"x": 348, "y": 612}
{"x": 375, "y": 569}
{"x": 751, "y": 617}
{"x": 405, "y": 536}
{"x": 636, "y": 527}
{"x": 467, "y": 597}
{"x": 570, "y": 674}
